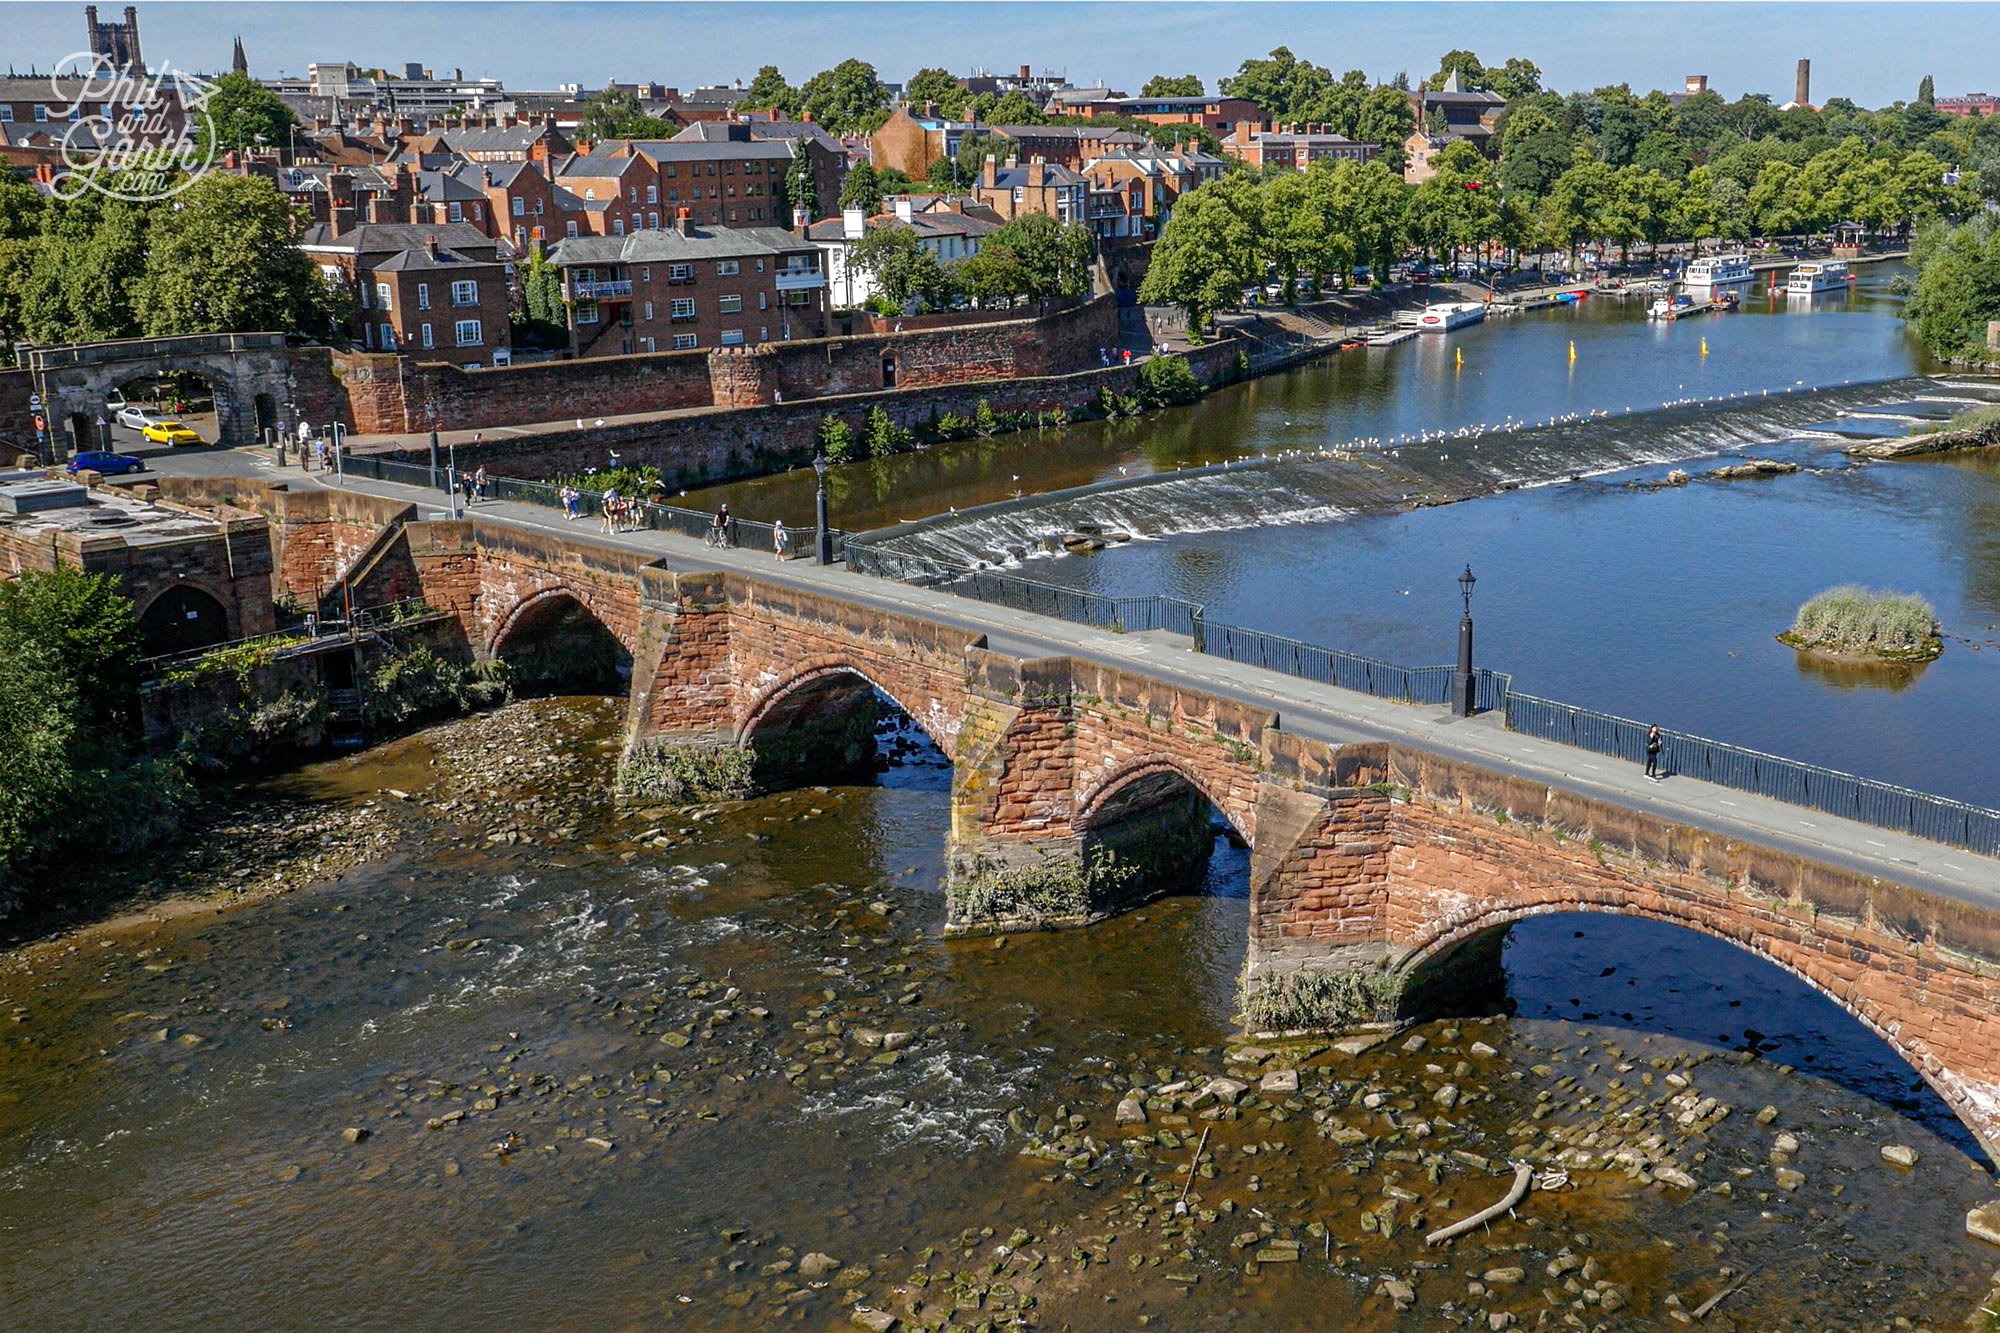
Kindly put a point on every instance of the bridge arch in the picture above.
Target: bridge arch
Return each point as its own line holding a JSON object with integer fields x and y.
{"x": 183, "y": 617}
{"x": 786, "y": 701}
{"x": 1132, "y": 785}
{"x": 553, "y": 638}
{"x": 1442, "y": 954}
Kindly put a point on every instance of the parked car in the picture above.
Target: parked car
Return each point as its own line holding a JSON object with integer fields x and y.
{"x": 109, "y": 464}
{"x": 170, "y": 433}
{"x": 116, "y": 403}
{"x": 138, "y": 418}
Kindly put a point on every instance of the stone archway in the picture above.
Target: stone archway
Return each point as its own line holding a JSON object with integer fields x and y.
{"x": 74, "y": 380}
{"x": 182, "y": 619}
{"x": 553, "y": 641}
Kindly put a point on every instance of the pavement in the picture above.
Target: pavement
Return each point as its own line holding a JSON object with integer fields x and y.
{"x": 1305, "y": 708}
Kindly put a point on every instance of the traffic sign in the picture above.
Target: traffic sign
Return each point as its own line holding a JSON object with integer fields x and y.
{"x": 34, "y": 402}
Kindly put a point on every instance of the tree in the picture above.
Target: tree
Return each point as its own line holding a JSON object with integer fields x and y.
{"x": 1173, "y": 85}
{"x": 86, "y": 259}
{"x": 1016, "y": 108}
{"x": 905, "y": 270}
{"x": 932, "y": 86}
{"x": 862, "y": 190}
{"x": 615, "y": 113}
{"x": 1576, "y": 207}
{"x": 224, "y": 259}
{"x": 845, "y": 98}
{"x": 1516, "y": 79}
{"x": 1957, "y": 289}
{"x": 1284, "y": 87}
{"x": 1035, "y": 257}
{"x": 802, "y": 182}
{"x": 1208, "y": 251}
{"x": 241, "y": 113}
{"x": 769, "y": 92}
{"x": 1926, "y": 91}
{"x": 547, "y": 314}
{"x": 1471, "y": 74}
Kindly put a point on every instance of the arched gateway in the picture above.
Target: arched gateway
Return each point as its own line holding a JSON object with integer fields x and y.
{"x": 246, "y": 372}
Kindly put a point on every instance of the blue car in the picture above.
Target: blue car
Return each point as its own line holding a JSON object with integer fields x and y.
{"x": 109, "y": 464}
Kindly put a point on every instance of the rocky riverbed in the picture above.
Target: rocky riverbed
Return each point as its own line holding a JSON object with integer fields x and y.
{"x": 533, "y": 1057}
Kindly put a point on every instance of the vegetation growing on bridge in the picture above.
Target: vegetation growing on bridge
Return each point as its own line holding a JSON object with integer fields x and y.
{"x": 1321, "y": 1001}
{"x": 1853, "y": 621}
{"x": 1058, "y": 890}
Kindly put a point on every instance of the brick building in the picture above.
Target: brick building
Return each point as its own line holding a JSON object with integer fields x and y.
{"x": 913, "y": 138}
{"x": 718, "y": 172}
{"x": 1014, "y": 190}
{"x": 1071, "y": 146}
{"x": 950, "y": 227}
{"x": 1970, "y": 104}
{"x": 1297, "y": 147}
{"x": 1133, "y": 193}
{"x": 1218, "y": 115}
{"x": 686, "y": 287}
{"x": 436, "y": 292}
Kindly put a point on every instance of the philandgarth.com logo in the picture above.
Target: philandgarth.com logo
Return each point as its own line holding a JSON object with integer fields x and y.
{"x": 130, "y": 136}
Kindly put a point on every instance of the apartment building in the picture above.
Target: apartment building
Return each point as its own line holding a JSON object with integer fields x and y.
{"x": 1014, "y": 190}
{"x": 434, "y": 292}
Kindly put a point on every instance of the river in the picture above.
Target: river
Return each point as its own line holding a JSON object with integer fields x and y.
{"x": 613, "y": 1069}
{"x": 542, "y": 1060}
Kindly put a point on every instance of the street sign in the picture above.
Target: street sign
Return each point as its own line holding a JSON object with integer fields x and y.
{"x": 34, "y": 402}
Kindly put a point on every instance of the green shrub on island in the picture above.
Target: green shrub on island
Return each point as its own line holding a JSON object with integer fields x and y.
{"x": 1854, "y": 622}
{"x": 1978, "y": 418}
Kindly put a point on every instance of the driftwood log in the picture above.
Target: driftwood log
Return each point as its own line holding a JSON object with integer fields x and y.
{"x": 1523, "y": 1174}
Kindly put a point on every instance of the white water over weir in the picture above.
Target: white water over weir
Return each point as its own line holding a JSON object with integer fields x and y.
{"x": 1376, "y": 476}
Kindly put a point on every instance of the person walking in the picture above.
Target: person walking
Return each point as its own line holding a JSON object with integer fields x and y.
{"x": 781, "y": 540}
{"x": 1653, "y": 747}
{"x": 610, "y": 509}
{"x": 479, "y": 482}
{"x": 465, "y": 485}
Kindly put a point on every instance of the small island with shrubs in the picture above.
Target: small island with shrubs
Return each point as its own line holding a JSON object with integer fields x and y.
{"x": 1854, "y": 624}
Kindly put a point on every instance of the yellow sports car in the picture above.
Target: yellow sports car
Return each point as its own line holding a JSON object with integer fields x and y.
{"x": 170, "y": 433}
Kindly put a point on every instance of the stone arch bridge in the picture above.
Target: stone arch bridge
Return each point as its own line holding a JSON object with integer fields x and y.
{"x": 1382, "y": 875}
{"x": 246, "y": 372}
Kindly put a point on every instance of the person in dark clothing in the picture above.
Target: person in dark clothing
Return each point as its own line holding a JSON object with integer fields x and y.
{"x": 1653, "y": 746}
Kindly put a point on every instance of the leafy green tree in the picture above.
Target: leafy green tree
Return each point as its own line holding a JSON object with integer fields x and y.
{"x": 846, "y": 98}
{"x": 836, "y": 439}
{"x": 932, "y": 86}
{"x": 1518, "y": 78}
{"x": 862, "y": 190}
{"x": 905, "y": 270}
{"x": 1173, "y": 85}
{"x": 88, "y": 257}
{"x": 1576, "y": 207}
{"x": 801, "y": 184}
{"x": 240, "y": 112}
{"x": 224, "y": 259}
{"x": 1926, "y": 91}
{"x": 1284, "y": 87}
{"x": 615, "y": 113}
{"x": 1209, "y": 250}
{"x": 1033, "y": 257}
{"x": 769, "y": 92}
{"x": 1957, "y": 289}
{"x": 1471, "y": 74}
{"x": 1016, "y": 108}
{"x": 547, "y": 314}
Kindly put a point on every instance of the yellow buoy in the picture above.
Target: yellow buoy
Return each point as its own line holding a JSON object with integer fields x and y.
{"x": 1572, "y": 349}
{"x": 1459, "y": 357}
{"x": 1704, "y": 347}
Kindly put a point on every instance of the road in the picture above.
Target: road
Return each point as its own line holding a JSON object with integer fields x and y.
{"x": 1305, "y": 708}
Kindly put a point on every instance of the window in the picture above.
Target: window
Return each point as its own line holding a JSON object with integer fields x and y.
{"x": 458, "y": 213}
{"x": 423, "y": 296}
{"x": 732, "y": 337}
{"x": 586, "y": 312}
{"x": 680, "y": 273}
{"x": 41, "y": 115}
{"x": 465, "y": 292}
{"x": 671, "y": 172}
{"x": 425, "y": 335}
{"x": 649, "y": 312}
{"x": 521, "y": 237}
{"x": 635, "y": 194}
{"x": 652, "y": 194}
{"x": 538, "y": 208}
{"x": 763, "y": 300}
{"x": 763, "y": 333}
{"x": 730, "y": 305}
{"x": 653, "y": 221}
{"x": 521, "y": 207}
{"x": 477, "y": 216}
{"x": 760, "y": 266}
{"x": 728, "y": 268}
{"x": 368, "y": 336}
{"x": 618, "y": 226}
{"x": 469, "y": 333}
{"x": 683, "y": 307}
{"x": 646, "y": 273}
{"x": 6, "y": 115}
{"x": 686, "y": 342}
{"x": 672, "y": 194}
{"x": 382, "y": 296}
{"x": 572, "y": 230}
{"x": 388, "y": 337}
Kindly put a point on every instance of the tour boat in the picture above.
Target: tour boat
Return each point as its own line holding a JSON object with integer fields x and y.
{"x": 1718, "y": 273}
{"x": 1451, "y": 315}
{"x": 1818, "y": 275}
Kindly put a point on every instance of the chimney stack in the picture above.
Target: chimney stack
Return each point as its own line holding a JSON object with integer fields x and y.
{"x": 1025, "y": 74}
{"x": 431, "y": 247}
{"x": 684, "y": 222}
{"x": 1802, "y": 94}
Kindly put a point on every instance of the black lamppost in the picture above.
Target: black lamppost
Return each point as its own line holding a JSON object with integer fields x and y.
{"x": 434, "y": 446}
{"x": 824, "y": 544}
{"x": 1462, "y": 688}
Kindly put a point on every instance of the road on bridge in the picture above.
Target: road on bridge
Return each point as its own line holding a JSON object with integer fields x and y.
{"x": 1305, "y": 708}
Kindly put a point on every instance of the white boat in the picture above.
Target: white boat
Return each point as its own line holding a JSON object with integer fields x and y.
{"x": 1450, "y": 315}
{"x": 1818, "y": 275}
{"x": 1718, "y": 273}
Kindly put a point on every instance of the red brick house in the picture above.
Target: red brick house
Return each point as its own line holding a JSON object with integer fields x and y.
{"x": 436, "y": 292}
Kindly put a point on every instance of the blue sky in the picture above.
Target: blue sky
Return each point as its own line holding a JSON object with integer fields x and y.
{"x": 1872, "y": 52}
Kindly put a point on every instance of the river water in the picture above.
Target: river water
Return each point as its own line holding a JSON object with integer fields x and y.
{"x": 660, "y": 1019}
{"x": 543, "y": 1061}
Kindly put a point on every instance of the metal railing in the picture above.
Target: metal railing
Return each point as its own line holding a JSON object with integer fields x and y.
{"x": 309, "y": 634}
{"x": 1795, "y": 782}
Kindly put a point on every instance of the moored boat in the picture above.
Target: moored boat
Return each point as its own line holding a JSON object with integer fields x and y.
{"x": 1815, "y": 276}
{"x": 1450, "y": 315}
{"x": 1718, "y": 273}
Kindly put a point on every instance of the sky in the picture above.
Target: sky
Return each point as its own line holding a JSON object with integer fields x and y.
{"x": 1873, "y": 53}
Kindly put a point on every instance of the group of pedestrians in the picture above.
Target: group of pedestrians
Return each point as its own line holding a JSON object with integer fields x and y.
{"x": 475, "y": 485}
{"x": 621, "y": 513}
